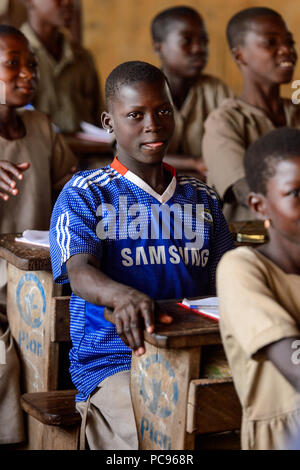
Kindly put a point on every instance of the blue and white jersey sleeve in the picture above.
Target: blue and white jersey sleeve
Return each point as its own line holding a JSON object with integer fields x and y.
{"x": 73, "y": 228}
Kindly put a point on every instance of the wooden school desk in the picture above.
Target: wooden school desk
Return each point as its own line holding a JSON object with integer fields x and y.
{"x": 173, "y": 399}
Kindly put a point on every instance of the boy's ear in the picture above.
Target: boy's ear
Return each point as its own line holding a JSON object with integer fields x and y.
{"x": 257, "y": 203}
{"x": 237, "y": 54}
{"x": 106, "y": 121}
{"x": 157, "y": 48}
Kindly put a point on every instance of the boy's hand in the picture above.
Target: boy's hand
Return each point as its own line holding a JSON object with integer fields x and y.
{"x": 133, "y": 313}
{"x": 9, "y": 171}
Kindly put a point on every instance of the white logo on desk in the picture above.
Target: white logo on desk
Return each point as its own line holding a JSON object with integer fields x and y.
{"x": 159, "y": 397}
{"x": 31, "y": 300}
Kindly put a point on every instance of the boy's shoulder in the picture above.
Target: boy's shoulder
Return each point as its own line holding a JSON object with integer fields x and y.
{"x": 244, "y": 258}
{"x": 35, "y": 120}
{"x": 210, "y": 82}
{"x": 232, "y": 110}
{"x": 84, "y": 180}
{"x": 200, "y": 187}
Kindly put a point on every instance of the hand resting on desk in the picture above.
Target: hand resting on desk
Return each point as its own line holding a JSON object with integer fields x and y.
{"x": 133, "y": 311}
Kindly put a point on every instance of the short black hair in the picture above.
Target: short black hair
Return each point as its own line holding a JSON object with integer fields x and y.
{"x": 162, "y": 22}
{"x": 8, "y": 30}
{"x": 129, "y": 73}
{"x": 262, "y": 157}
{"x": 238, "y": 25}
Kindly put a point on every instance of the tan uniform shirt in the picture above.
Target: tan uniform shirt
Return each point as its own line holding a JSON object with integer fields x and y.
{"x": 50, "y": 161}
{"x": 69, "y": 90}
{"x": 202, "y": 98}
{"x": 259, "y": 304}
{"x": 229, "y": 131}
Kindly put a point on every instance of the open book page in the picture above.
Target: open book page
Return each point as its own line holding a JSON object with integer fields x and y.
{"x": 208, "y": 306}
{"x": 35, "y": 237}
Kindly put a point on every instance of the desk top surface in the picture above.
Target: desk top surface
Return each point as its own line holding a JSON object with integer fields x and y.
{"x": 187, "y": 330}
{"x": 23, "y": 256}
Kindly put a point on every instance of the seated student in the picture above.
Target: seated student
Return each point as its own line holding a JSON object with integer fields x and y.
{"x": 107, "y": 241}
{"x": 11, "y": 418}
{"x": 180, "y": 39}
{"x": 259, "y": 294}
{"x": 26, "y": 137}
{"x": 14, "y": 13}
{"x": 69, "y": 90}
{"x": 263, "y": 48}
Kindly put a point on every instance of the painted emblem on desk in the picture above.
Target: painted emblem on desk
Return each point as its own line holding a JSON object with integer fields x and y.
{"x": 31, "y": 300}
{"x": 159, "y": 397}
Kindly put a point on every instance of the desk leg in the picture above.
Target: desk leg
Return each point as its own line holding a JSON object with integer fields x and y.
{"x": 159, "y": 388}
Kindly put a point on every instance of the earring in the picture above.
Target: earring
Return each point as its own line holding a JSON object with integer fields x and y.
{"x": 267, "y": 224}
{"x": 108, "y": 130}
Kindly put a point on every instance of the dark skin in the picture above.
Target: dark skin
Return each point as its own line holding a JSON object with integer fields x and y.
{"x": 183, "y": 54}
{"x": 18, "y": 74}
{"x": 267, "y": 59}
{"x": 8, "y": 173}
{"x": 141, "y": 117}
{"x": 281, "y": 205}
{"x": 46, "y": 19}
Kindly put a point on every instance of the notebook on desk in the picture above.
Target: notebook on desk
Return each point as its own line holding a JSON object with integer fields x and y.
{"x": 35, "y": 237}
{"x": 208, "y": 307}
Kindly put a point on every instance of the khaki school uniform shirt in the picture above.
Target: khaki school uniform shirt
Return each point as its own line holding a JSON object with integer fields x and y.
{"x": 259, "y": 305}
{"x": 202, "y": 98}
{"x": 50, "y": 162}
{"x": 68, "y": 90}
{"x": 229, "y": 131}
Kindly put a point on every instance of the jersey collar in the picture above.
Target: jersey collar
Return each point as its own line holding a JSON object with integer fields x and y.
{"x": 162, "y": 198}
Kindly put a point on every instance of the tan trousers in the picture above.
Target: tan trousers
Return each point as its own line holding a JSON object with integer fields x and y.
{"x": 110, "y": 423}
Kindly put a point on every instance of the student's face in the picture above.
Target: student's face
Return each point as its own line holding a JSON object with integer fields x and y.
{"x": 56, "y": 12}
{"x": 142, "y": 120}
{"x": 268, "y": 53}
{"x": 184, "y": 51}
{"x": 18, "y": 70}
{"x": 283, "y": 200}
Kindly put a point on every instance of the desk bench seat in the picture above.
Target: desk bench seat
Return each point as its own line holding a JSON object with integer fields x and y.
{"x": 57, "y": 418}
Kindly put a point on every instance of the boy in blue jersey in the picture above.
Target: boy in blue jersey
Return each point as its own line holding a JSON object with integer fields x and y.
{"x": 124, "y": 236}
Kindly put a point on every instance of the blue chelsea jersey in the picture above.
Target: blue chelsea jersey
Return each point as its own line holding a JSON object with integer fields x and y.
{"x": 167, "y": 246}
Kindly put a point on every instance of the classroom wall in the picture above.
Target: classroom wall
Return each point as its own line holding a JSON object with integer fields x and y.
{"x": 119, "y": 30}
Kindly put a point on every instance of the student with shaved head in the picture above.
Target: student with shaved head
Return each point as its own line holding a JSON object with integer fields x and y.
{"x": 263, "y": 48}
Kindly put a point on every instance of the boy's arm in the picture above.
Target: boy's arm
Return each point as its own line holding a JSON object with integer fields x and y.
{"x": 223, "y": 149}
{"x": 133, "y": 311}
{"x": 285, "y": 356}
